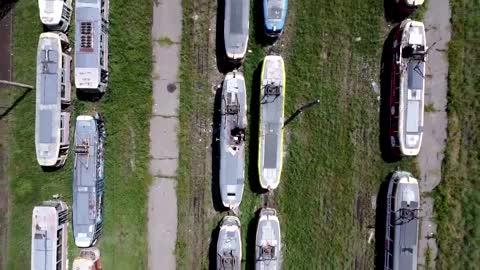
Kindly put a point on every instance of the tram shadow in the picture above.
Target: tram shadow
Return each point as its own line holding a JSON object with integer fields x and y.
{"x": 249, "y": 260}
{"x": 390, "y": 153}
{"x": 394, "y": 12}
{"x": 253, "y": 131}
{"x": 6, "y": 6}
{"x": 90, "y": 97}
{"x": 51, "y": 169}
{"x": 212, "y": 249}
{"x": 380, "y": 226}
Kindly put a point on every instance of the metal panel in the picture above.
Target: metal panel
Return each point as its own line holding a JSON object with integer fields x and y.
{"x": 271, "y": 148}
{"x": 236, "y": 15}
{"x": 232, "y": 139}
{"x": 49, "y": 77}
{"x": 45, "y": 134}
{"x": 42, "y": 248}
{"x": 415, "y": 74}
{"x": 236, "y": 28}
{"x": 413, "y": 114}
{"x": 81, "y": 211}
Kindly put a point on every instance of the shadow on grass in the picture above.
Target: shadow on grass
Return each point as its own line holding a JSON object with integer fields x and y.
{"x": 15, "y": 103}
{"x": 51, "y": 169}
{"x": 212, "y": 249}
{"x": 46, "y": 29}
{"x": 389, "y": 153}
{"x": 380, "y": 226}
{"x": 250, "y": 241}
{"x": 6, "y": 6}
{"x": 91, "y": 97}
{"x": 217, "y": 118}
{"x": 224, "y": 65}
{"x": 253, "y": 129}
{"x": 396, "y": 12}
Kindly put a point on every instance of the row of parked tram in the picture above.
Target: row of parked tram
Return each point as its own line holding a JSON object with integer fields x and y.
{"x": 232, "y": 135}
{"x": 406, "y": 102}
{"x": 53, "y": 84}
{"x": 52, "y": 130}
{"x": 406, "y": 120}
{"x": 50, "y": 220}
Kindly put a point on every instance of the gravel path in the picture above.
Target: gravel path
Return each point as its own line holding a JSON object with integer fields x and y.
{"x": 437, "y": 23}
{"x": 162, "y": 203}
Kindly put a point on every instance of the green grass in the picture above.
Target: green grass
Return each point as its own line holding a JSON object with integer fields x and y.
{"x": 126, "y": 107}
{"x": 195, "y": 108}
{"x": 185, "y": 118}
{"x": 333, "y": 164}
{"x": 165, "y": 41}
{"x": 430, "y": 107}
{"x": 428, "y": 259}
{"x": 457, "y": 199}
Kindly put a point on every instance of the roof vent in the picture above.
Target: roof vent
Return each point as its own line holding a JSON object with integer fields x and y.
{"x": 86, "y": 39}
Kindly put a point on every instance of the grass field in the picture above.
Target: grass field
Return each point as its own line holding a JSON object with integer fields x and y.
{"x": 126, "y": 107}
{"x": 457, "y": 199}
{"x": 333, "y": 164}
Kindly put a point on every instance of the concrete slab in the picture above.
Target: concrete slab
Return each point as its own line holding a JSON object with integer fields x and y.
{"x": 164, "y": 167}
{"x": 166, "y": 87}
{"x": 163, "y": 137}
{"x": 165, "y": 102}
{"x": 432, "y": 152}
{"x": 167, "y": 19}
{"x": 437, "y": 24}
{"x": 166, "y": 54}
{"x": 162, "y": 224}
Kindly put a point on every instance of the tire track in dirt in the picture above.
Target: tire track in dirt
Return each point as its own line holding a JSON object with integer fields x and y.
{"x": 201, "y": 136}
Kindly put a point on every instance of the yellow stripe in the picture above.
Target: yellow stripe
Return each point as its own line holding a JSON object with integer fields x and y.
{"x": 260, "y": 127}
{"x": 260, "y": 124}
{"x": 283, "y": 115}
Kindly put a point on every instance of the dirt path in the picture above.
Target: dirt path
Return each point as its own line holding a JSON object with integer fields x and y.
{"x": 162, "y": 209}
{"x": 5, "y": 74}
{"x": 437, "y": 23}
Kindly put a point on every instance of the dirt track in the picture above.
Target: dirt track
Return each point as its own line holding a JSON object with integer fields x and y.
{"x": 437, "y": 23}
